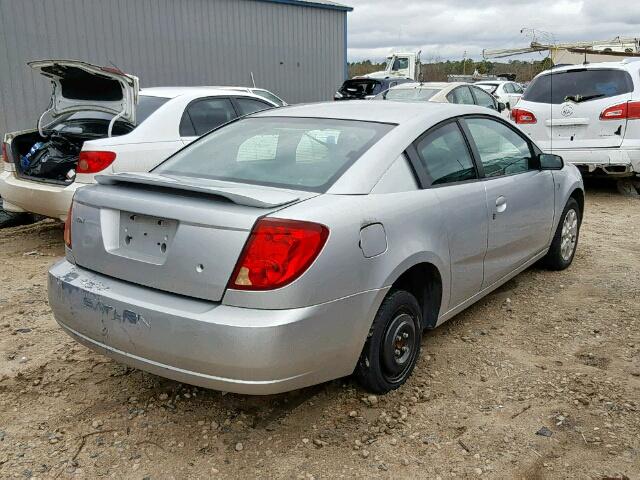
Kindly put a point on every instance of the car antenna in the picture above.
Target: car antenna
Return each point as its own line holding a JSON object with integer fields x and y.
{"x": 253, "y": 80}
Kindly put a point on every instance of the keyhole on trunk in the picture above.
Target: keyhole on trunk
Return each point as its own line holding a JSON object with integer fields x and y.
{"x": 200, "y": 268}
{"x": 128, "y": 239}
{"x": 163, "y": 247}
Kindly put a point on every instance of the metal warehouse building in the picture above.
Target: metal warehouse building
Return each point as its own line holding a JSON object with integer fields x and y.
{"x": 296, "y": 48}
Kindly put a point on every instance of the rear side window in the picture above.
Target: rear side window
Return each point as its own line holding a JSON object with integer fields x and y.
{"x": 502, "y": 151}
{"x": 445, "y": 155}
{"x": 461, "y": 95}
{"x": 249, "y": 105}
{"x": 204, "y": 115}
{"x": 578, "y": 85}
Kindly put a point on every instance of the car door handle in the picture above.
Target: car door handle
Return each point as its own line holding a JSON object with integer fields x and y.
{"x": 501, "y": 204}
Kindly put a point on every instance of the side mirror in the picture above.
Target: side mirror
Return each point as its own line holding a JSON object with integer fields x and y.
{"x": 501, "y": 107}
{"x": 549, "y": 161}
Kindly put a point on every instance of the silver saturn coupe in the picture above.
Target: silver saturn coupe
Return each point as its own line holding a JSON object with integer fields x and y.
{"x": 307, "y": 243}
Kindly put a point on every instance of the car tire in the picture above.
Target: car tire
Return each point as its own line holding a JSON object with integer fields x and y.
{"x": 393, "y": 344}
{"x": 565, "y": 241}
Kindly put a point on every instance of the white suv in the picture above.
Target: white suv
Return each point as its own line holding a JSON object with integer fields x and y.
{"x": 590, "y": 115}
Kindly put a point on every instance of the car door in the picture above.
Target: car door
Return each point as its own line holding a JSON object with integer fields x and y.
{"x": 519, "y": 196}
{"x": 444, "y": 157}
{"x": 203, "y": 115}
{"x": 461, "y": 95}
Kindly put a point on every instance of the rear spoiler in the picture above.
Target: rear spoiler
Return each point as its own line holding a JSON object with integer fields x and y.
{"x": 249, "y": 195}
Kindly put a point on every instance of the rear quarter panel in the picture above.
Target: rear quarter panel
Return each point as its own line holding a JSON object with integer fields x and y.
{"x": 414, "y": 229}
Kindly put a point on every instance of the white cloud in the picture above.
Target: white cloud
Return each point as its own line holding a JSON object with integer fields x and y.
{"x": 445, "y": 29}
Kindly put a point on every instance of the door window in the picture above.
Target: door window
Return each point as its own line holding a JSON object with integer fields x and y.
{"x": 508, "y": 87}
{"x": 461, "y": 95}
{"x": 204, "y": 115}
{"x": 250, "y": 105}
{"x": 484, "y": 99}
{"x": 445, "y": 155}
{"x": 502, "y": 151}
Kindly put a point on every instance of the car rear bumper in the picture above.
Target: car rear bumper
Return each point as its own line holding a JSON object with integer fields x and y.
{"x": 209, "y": 344}
{"x": 610, "y": 161}
{"x": 21, "y": 195}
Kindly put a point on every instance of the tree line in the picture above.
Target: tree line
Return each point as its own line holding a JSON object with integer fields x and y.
{"x": 437, "y": 71}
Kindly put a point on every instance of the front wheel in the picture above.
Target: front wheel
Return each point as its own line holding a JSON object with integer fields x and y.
{"x": 393, "y": 345}
{"x": 565, "y": 240}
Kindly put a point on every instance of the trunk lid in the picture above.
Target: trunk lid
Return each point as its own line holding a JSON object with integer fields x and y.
{"x": 177, "y": 234}
{"x": 79, "y": 86}
{"x": 571, "y": 125}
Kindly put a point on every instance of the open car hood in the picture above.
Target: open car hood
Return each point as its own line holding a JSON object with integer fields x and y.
{"x": 79, "y": 86}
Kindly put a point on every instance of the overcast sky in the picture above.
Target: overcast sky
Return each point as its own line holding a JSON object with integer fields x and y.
{"x": 445, "y": 29}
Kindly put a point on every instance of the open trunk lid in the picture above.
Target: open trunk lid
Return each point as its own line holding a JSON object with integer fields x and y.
{"x": 176, "y": 234}
{"x": 79, "y": 86}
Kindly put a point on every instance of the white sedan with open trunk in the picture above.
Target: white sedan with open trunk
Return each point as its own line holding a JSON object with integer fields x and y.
{"x": 102, "y": 123}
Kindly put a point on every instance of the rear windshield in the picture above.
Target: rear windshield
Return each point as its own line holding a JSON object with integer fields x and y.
{"x": 145, "y": 107}
{"x": 360, "y": 88}
{"x": 296, "y": 153}
{"x": 408, "y": 94}
{"x": 578, "y": 85}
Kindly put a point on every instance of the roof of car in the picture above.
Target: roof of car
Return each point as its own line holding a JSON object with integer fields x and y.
{"x": 173, "y": 92}
{"x": 430, "y": 85}
{"x": 372, "y": 111}
{"x": 625, "y": 64}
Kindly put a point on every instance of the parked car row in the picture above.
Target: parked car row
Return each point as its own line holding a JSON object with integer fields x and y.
{"x": 101, "y": 122}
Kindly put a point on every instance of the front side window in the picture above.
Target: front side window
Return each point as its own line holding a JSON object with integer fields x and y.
{"x": 508, "y": 87}
{"x": 502, "y": 151}
{"x": 445, "y": 155}
{"x": 204, "y": 115}
{"x": 298, "y": 153}
{"x": 484, "y": 99}
{"x": 578, "y": 85}
{"x": 461, "y": 95}
{"x": 269, "y": 96}
{"x": 400, "y": 64}
{"x": 249, "y": 105}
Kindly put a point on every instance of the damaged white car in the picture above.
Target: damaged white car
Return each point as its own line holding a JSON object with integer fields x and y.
{"x": 99, "y": 121}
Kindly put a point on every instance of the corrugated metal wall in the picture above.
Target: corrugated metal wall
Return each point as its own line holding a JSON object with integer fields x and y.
{"x": 297, "y": 52}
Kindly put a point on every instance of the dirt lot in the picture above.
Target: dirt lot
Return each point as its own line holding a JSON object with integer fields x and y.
{"x": 539, "y": 380}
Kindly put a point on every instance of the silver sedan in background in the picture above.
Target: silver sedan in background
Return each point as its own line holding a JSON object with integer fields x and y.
{"x": 307, "y": 243}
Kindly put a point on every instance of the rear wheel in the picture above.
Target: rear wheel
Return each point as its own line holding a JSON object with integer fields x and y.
{"x": 565, "y": 240}
{"x": 393, "y": 345}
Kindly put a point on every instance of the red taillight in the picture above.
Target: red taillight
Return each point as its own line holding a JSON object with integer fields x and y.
{"x": 94, "y": 162}
{"x": 67, "y": 226}
{"x": 277, "y": 252}
{"x": 5, "y": 152}
{"x": 622, "y": 111}
{"x": 521, "y": 116}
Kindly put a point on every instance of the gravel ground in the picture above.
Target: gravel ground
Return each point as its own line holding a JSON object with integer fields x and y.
{"x": 539, "y": 380}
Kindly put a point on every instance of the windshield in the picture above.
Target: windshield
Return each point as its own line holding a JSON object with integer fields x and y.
{"x": 297, "y": 153}
{"x": 421, "y": 94}
{"x": 145, "y": 107}
{"x": 360, "y": 88}
{"x": 578, "y": 85}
